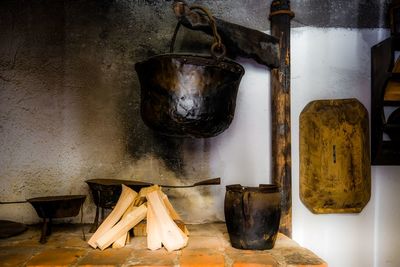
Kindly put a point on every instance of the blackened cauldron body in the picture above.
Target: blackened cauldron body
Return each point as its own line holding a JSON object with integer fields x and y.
{"x": 57, "y": 206}
{"x": 252, "y": 216}
{"x": 188, "y": 95}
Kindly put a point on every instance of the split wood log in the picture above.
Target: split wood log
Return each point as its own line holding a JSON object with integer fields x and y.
{"x": 140, "y": 228}
{"x": 126, "y": 198}
{"x": 153, "y": 232}
{"x": 128, "y": 238}
{"x": 172, "y": 212}
{"x": 122, "y": 240}
{"x": 141, "y": 198}
{"x": 172, "y": 237}
{"x": 123, "y": 226}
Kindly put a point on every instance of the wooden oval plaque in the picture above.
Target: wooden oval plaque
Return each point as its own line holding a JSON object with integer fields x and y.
{"x": 335, "y": 171}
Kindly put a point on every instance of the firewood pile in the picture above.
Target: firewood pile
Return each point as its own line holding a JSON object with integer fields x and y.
{"x": 132, "y": 208}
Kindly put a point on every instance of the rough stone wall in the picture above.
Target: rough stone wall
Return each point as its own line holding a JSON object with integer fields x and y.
{"x": 70, "y": 102}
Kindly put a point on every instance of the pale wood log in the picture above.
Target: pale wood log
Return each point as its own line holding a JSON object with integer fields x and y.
{"x": 128, "y": 238}
{"x": 140, "y": 228}
{"x": 121, "y": 241}
{"x": 153, "y": 230}
{"x": 141, "y": 198}
{"x": 172, "y": 237}
{"x": 126, "y": 198}
{"x": 123, "y": 226}
{"x": 139, "y": 201}
{"x": 172, "y": 212}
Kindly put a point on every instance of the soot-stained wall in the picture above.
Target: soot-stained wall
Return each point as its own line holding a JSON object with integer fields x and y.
{"x": 70, "y": 98}
{"x": 70, "y": 102}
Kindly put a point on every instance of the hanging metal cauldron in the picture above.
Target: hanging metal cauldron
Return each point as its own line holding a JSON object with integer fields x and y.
{"x": 186, "y": 95}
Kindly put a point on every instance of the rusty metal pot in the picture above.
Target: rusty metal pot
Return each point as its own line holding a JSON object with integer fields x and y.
{"x": 48, "y": 208}
{"x": 186, "y": 95}
{"x": 52, "y": 207}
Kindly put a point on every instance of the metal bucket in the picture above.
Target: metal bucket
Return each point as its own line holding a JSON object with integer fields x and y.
{"x": 252, "y": 216}
{"x": 187, "y": 95}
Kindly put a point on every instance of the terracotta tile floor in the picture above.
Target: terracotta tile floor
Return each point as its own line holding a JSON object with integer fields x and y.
{"x": 208, "y": 246}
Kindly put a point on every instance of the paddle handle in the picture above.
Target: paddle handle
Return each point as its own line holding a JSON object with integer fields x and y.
{"x": 212, "y": 181}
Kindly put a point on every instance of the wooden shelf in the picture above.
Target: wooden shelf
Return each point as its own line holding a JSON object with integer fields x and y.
{"x": 385, "y": 91}
{"x": 392, "y": 90}
{"x": 391, "y": 127}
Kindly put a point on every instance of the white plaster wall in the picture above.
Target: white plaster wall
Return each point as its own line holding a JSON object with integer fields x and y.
{"x": 328, "y": 64}
{"x": 241, "y": 154}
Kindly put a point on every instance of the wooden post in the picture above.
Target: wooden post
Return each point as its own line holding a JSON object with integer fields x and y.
{"x": 280, "y": 17}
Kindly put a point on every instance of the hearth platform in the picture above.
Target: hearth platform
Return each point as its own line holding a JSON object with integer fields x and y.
{"x": 208, "y": 246}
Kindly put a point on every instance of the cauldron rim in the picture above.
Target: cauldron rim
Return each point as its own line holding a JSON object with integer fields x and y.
{"x": 56, "y": 198}
{"x": 198, "y": 59}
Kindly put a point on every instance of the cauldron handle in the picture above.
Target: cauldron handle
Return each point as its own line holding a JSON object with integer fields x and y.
{"x": 218, "y": 49}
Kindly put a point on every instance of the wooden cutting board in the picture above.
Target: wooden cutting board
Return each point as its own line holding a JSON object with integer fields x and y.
{"x": 335, "y": 171}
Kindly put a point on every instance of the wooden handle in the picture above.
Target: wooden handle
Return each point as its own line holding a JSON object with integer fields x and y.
{"x": 209, "y": 182}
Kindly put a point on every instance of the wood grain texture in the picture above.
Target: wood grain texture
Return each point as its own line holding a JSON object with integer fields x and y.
{"x": 172, "y": 237}
{"x": 141, "y": 228}
{"x": 172, "y": 212}
{"x": 280, "y": 114}
{"x": 122, "y": 240}
{"x": 154, "y": 240}
{"x": 123, "y": 226}
{"x": 335, "y": 172}
{"x": 125, "y": 200}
